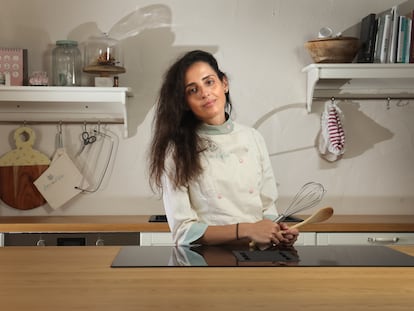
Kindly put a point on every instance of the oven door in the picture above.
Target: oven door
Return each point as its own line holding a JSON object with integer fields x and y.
{"x": 71, "y": 239}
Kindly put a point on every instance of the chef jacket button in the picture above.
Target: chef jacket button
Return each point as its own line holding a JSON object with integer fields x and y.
{"x": 251, "y": 190}
{"x": 219, "y": 196}
{"x": 241, "y": 160}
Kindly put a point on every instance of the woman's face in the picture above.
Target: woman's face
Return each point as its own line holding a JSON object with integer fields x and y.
{"x": 205, "y": 93}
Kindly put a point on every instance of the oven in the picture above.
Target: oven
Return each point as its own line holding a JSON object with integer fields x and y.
{"x": 71, "y": 239}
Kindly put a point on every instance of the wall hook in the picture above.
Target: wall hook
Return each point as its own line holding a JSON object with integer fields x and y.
{"x": 388, "y": 102}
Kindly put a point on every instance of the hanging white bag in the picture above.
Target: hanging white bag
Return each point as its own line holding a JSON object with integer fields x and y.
{"x": 58, "y": 184}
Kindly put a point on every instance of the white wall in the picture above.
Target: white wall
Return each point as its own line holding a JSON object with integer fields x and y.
{"x": 260, "y": 45}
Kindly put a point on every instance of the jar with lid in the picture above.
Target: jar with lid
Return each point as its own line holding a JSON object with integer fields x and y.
{"x": 103, "y": 56}
{"x": 66, "y": 63}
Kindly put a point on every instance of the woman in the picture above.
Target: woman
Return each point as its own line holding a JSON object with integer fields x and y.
{"x": 215, "y": 174}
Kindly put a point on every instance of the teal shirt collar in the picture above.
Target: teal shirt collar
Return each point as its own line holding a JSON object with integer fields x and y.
{"x": 225, "y": 128}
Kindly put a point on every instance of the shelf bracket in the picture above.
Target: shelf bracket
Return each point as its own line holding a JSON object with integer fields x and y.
{"x": 313, "y": 78}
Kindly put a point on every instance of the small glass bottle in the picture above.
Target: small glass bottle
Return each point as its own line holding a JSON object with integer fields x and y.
{"x": 66, "y": 64}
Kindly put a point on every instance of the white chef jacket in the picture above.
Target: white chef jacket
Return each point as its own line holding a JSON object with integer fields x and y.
{"x": 237, "y": 184}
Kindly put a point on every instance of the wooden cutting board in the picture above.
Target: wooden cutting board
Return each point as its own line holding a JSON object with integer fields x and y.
{"x": 19, "y": 168}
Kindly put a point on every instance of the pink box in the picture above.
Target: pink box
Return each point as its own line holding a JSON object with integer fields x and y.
{"x": 14, "y": 61}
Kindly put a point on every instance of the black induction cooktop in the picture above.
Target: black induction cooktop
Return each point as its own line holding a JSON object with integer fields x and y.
{"x": 163, "y": 218}
{"x": 222, "y": 256}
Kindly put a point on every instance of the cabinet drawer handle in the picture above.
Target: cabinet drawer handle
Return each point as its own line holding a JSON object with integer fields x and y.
{"x": 383, "y": 240}
{"x": 41, "y": 242}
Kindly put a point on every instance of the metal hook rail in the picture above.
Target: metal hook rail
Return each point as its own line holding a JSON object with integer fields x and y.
{"x": 46, "y": 122}
{"x": 387, "y": 98}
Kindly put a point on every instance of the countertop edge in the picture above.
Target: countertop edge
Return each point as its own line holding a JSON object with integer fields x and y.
{"x": 140, "y": 223}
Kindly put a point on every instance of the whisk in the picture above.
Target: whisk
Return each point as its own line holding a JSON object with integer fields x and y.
{"x": 307, "y": 197}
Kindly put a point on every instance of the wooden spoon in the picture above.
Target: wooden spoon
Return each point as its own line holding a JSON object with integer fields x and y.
{"x": 318, "y": 216}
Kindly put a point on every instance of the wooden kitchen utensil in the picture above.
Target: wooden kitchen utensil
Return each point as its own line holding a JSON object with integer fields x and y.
{"x": 318, "y": 216}
{"x": 19, "y": 168}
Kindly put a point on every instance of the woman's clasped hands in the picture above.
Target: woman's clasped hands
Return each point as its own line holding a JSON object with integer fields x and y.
{"x": 267, "y": 232}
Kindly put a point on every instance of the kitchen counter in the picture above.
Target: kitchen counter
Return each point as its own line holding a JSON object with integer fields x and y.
{"x": 80, "y": 278}
{"x": 131, "y": 223}
{"x": 107, "y": 223}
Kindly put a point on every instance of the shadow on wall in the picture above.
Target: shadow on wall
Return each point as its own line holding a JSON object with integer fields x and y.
{"x": 149, "y": 56}
{"x": 275, "y": 111}
{"x": 362, "y": 132}
{"x": 149, "y": 50}
{"x": 21, "y": 36}
{"x": 146, "y": 39}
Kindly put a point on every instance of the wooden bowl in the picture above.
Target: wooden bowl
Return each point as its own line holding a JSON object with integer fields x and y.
{"x": 333, "y": 50}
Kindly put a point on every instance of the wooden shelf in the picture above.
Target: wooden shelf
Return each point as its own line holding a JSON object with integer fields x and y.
{"x": 358, "y": 81}
{"x": 50, "y": 104}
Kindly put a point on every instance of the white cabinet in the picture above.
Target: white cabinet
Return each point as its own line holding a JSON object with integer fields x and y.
{"x": 358, "y": 81}
{"x": 1, "y": 239}
{"x": 155, "y": 239}
{"x": 306, "y": 238}
{"x": 364, "y": 238}
{"x": 165, "y": 238}
{"x": 53, "y": 104}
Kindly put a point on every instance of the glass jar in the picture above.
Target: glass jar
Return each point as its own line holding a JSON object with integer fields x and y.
{"x": 103, "y": 56}
{"x": 66, "y": 64}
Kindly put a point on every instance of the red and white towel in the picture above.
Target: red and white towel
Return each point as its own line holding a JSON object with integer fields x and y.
{"x": 332, "y": 135}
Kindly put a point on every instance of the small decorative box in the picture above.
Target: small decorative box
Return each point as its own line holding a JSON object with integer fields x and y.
{"x": 13, "y": 62}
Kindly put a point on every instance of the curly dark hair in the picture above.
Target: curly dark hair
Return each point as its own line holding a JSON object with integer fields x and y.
{"x": 175, "y": 126}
